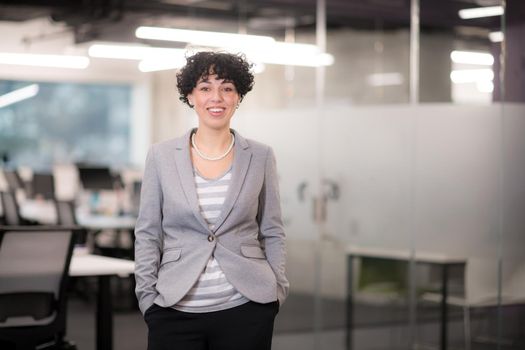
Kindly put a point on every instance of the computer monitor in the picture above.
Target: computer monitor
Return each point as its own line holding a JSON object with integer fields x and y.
{"x": 43, "y": 185}
{"x": 95, "y": 178}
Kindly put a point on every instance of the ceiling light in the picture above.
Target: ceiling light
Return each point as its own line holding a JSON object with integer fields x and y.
{"x": 263, "y": 49}
{"x": 472, "y": 57}
{"x": 471, "y": 75}
{"x": 131, "y": 52}
{"x": 485, "y": 86}
{"x": 39, "y": 60}
{"x": 164, "y": 63}
{"x": 197, "y": 37}
{"x": 479, "y": 12}
{"x": 385, "y": 79}
{"x": 496, "y": 37}
{"x": 18, "y": 95}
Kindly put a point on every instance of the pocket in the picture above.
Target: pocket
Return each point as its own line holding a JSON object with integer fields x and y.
{"x": 154, "y": 307}
{"x": 252, "y": 251}
{"x": 277, "y": 306}
{"x": 171, "y": 255}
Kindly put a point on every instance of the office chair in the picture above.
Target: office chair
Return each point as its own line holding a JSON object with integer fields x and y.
{"x": 43, "y": 186}
{"x": 65, "y": 213}
{"x": 66, "y": 217}
{"x": 10, "y": 208}
{"x": 14, "y": 181}
{"x": 34, "y": 269}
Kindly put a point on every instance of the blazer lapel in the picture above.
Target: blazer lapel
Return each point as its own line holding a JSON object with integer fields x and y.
{"x": 241, "y": 163}
{"x": 185, "y": 171}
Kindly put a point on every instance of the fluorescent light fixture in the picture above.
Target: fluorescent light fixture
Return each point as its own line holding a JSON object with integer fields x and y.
{"x": 162, "y": 63}
{"x": 385, "y": 79}
{"x": 478, "y": 12}
{"x": 18, "y": 95}
{"x": 496, "y": 37}
{"x": 263, "y": 49}
{"x": 197, "y": 37}
{"x": 471, "y": 57}
{"x": 131, "y": 52}
{"x": 40, "y": 60}
{"x": 471, "y": 75}
{"x": 485, "y": 86}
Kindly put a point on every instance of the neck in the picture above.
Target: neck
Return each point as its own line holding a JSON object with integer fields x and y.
{"x": 213, "y": 141}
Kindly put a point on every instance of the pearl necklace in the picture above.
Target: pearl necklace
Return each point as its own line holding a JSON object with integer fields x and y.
{"x": 203, "y": 156}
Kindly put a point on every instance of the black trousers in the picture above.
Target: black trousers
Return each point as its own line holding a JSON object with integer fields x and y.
{"x": 245, "y": 327}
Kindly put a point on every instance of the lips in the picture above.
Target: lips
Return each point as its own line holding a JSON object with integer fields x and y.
{"x": 216, "y": 111}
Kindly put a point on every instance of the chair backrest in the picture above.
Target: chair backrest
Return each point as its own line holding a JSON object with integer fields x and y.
{"x": 10, "y": 208}
{"x": 43, "y": 185}
{"x": 66, "y": 213}
{"x": 14, "y": 181}
{"x": 34, "y": 267}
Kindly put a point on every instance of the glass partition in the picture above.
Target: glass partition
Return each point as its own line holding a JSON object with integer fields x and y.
{"x": 457, "y": 178}
{"x": 505, "y": 323}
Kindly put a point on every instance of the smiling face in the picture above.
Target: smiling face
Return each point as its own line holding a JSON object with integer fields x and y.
{"x": 215, "y": 101}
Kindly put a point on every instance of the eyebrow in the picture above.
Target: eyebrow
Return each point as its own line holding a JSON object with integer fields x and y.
{"x": 225, "y": 81}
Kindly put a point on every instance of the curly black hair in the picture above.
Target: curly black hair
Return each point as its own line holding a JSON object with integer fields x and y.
{"x": 231, "y": 67}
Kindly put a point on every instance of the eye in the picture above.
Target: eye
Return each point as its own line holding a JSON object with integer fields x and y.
{"x": 204, "y": 88}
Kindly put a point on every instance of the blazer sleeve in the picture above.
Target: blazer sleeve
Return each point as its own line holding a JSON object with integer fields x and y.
{"x": 148, "y": 235}
{"x": 271, "y": 226}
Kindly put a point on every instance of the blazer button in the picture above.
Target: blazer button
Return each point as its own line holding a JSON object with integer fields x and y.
{"x": 211, "y": 238}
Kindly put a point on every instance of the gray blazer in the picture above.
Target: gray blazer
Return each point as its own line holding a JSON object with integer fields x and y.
{"x": 173, "y": 242}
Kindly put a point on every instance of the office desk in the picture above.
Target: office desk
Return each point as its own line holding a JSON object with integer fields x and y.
{"x": 41, "y": 211}
{"x": 83, "y": 265}
{"x": 106, "y": 222}
{"x": 45, "y": 212}
{"x": 442, "y": 260}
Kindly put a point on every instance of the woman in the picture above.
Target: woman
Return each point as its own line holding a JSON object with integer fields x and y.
{"x": 210, "y": 245}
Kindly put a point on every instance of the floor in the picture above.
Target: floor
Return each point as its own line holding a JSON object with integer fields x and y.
{"x": 378, "y": 327}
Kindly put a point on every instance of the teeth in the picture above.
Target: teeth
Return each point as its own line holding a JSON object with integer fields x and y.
{"x": 216, "y": 109}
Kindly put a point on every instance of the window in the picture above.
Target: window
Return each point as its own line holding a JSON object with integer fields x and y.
{"x": 66, "y": 122}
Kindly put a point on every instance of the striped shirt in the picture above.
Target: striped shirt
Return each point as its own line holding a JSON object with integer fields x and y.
{"x": 212, "y": 291}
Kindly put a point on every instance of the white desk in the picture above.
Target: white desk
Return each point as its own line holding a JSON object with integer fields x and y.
{"x": 41, "y": 211}
{"x": 102, "y": 267}
{"x": 45, "y": 212}
{"x": 106, "y": 222}
{"x": 403, "y": 254}
{"x": 97, "y": 265}
{"x": 443, "y": 260}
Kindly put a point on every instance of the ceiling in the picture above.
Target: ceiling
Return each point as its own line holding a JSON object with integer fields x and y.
{"x": 111, "y": 20}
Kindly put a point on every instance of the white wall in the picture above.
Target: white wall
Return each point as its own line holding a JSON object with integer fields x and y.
{"x": 369, "y": 152}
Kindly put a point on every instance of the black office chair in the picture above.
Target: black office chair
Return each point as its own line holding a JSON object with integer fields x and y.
{"x": 13, "y": 179}
{"x": 11, "y": 211}
{"x": 65, "y": 213}
{"x": 43, "y": 186}
{"x": 34, "y": 269}
{"x": 10, "y": 208}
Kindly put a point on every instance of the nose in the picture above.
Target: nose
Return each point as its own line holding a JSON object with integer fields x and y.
{"x": 216, "y": 95}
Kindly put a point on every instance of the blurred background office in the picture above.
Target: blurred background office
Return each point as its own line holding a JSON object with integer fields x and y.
{"x": 398, "y": 127}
